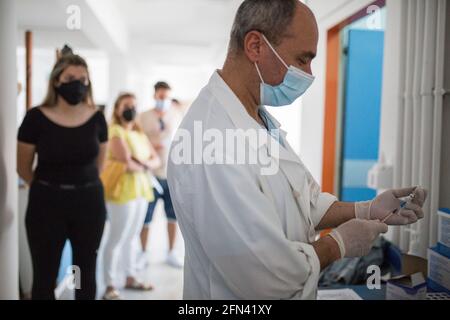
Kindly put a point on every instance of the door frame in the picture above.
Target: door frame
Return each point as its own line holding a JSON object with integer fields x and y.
{"x": 333, "y": 84}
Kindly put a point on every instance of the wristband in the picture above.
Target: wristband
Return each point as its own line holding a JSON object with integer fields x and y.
{"x": 337, "y": 237}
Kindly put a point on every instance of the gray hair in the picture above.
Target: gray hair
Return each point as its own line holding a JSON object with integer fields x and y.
{"x": 270, "y": 17}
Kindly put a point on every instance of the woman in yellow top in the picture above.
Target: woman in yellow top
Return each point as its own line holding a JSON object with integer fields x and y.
{"x": 129, "y": 152}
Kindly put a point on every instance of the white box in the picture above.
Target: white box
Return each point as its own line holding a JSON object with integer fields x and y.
{"x": 412, "y": 287}
{"x": 439, "y": 268}
{"x": 444, "y": 227}
{"x": 380, "y": 176}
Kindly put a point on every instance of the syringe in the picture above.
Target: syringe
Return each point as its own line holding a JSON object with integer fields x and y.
{"x": 403, "y": 203}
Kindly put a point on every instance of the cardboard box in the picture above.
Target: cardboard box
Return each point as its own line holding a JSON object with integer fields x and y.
{"x": 413, "y": 264}
{"x": 411, "y": 284}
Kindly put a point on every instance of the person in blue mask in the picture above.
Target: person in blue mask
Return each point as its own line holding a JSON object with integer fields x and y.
{"x": 248, "y": 208}
{"x": 159, "y": 124}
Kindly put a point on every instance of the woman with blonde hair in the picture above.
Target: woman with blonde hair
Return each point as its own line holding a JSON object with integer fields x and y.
{"x": 130, "y": 158}
{"x": 68, "y": 135}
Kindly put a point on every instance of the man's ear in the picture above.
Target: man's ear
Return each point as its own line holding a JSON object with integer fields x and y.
{"x": 252, "y": 45}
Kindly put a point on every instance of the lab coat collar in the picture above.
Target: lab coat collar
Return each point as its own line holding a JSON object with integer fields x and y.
{"x": 233, "y": 106}
{"x": 242, "y": 120}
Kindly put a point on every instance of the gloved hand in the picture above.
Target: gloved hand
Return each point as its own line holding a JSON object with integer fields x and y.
{"x": 388, "y": 202}
{"x": 355, "y": 237}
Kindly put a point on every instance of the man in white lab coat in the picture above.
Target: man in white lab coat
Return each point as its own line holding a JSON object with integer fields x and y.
{"x": 250, "y": 226}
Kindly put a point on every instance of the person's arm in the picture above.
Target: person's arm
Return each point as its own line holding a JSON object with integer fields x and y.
{"x": 27, "y": 139}
{"x": 381, "y": 207}
{"x": 154, "y": 162}
{"x": 337, "y": 214}
{"x": 327, "y": 250}
{"x": 101, "y": 156}
{"x": 120, "y": 152}
{"x": 25, "y": 158}
{"x": 103, "y": 140}
{"x": 351, "y": 238}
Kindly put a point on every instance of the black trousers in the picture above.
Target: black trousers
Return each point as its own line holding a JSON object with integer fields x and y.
{"x": 55, "y": 215}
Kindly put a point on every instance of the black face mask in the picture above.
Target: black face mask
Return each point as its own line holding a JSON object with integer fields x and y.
{"x": 129, "y": 114}
{"x": 73, "y": 92}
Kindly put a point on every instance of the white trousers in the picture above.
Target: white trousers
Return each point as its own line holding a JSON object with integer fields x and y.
{"x": 125, "y": 224}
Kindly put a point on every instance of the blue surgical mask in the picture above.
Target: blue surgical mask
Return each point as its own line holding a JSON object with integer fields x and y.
{"x": 163, "y": 105}
{"x": 294, "y": 85}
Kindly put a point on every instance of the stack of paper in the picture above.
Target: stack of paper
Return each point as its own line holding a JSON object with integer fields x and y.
{"x": 338, "y": 294}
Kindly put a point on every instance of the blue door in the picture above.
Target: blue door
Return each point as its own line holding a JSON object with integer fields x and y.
{"x": 361, "y": 114}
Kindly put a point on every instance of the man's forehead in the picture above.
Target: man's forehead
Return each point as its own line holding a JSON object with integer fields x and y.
{"x": 303, "y": 29}
{"x": 303, "y": 19}
{"x": 303, "y": 9}
{"x": 304, "y": 39}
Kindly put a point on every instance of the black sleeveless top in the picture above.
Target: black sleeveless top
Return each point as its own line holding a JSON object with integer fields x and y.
{"x": 66, "y": 155}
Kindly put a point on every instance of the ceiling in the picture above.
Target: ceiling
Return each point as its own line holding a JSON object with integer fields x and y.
{"x": 178, "y": 20}
{"x": 159, "y": 32}
{"x": 177, "y": 32}
{"x": 47, "y": 20}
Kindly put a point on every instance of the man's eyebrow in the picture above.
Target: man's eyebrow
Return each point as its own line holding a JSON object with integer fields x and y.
{"x": 308, "y": 54}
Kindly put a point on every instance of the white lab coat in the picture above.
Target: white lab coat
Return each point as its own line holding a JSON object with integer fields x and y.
{"x": 247, "y": 235}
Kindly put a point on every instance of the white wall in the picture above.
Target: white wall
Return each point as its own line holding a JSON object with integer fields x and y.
{"x": 391, "y": 71}
{"x": 43, "y": 61}
{"x": 186, "y": 81}
{"x": 290, "y": 118}
{"x": 9, "y": 258}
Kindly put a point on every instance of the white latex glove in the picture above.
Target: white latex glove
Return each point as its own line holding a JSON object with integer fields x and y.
{"x": 389, "y": 202}
{"x": 355, "y": 237}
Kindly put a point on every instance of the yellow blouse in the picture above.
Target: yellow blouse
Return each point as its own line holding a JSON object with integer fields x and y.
{"x": 134, "y": 185}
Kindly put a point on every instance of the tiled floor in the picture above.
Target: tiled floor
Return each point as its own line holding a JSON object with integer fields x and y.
{"x": 168, "y": 283}
{"x": 167, "y": 280}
